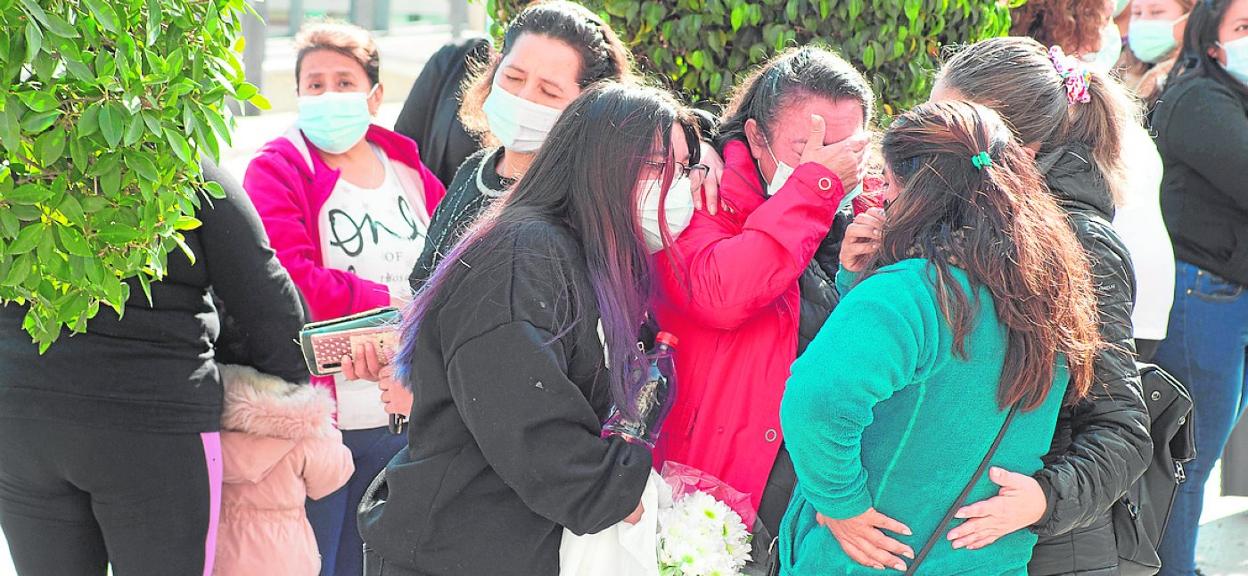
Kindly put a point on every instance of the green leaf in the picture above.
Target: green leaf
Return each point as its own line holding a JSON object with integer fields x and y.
{"x": 71, "y": 208}
{"x": 20, "y": 270}
{"x": 112, "y": 122}
{"x": 104, "y": 14}
{"x": 154, "y": 17}
{"x": 36, "y": 123}
{"x": 739, "y": 13}
{"x": 246, "y": 91}
{"x": 9, "y": 224}
{"x": 214, "y": 190}
{"x": 27, "y": 238}
{"x": 49, "y": 146}
{"x": 181, "y": 240}
{"x": 34, "y": 40}
{"x": 134, "y": 132}
{"x": 180, "y": 146}
{"x": 89, "y": 122}
{"x": 259, "y": 101}
{"x": 185, "y": 222}
{"x": 74, "y": 242}
{"x": 39, "y": 100}
{"x": 32, "y": 193}
{"x": 143, "y": 165}
{"x": 217, "y": 121}
{"x": 118, "y": 234}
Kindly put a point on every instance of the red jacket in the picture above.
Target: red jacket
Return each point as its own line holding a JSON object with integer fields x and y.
{"x": 729, "y": 291}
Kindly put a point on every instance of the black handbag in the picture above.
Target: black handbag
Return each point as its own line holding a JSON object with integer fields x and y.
{"x": 1141, "y": 515}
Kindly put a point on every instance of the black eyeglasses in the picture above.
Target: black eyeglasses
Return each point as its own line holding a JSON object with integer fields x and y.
{"x": 695, "y": 172}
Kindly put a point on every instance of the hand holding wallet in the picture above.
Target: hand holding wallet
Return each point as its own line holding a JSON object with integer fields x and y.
{"x": 324, "y": 343}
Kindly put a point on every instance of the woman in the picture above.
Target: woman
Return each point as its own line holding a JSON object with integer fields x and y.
{"x": 1153, "y": 45}
{"x": 551, "y": 52}
{"x": 110, "y": 446}
{"x": 793, "y": 142}
{"x": 1202, "y": 132}
{"x": 520, "y": 344}
{"x": 1138, "y": 212}
{"x": 346, "y": 204}
{"x": 1073, "y": 120}
{"x": 978, "y": 299}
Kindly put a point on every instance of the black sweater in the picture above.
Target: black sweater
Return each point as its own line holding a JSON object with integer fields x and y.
{"x": 504, "y": 448}
{"x": 154, "y": 369}
{"x": 430, "y": 115}
{"x": 1202, "y": 134}
{"x": 465, "y": 201}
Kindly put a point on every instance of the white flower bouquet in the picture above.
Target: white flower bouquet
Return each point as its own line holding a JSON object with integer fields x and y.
{"x": 700, "y": 535}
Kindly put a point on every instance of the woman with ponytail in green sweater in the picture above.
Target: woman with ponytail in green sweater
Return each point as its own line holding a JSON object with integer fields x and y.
{"x": 975, "y": 297}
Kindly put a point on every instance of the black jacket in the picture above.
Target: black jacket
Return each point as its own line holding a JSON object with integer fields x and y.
{"x": 1101, "y": 445}
{"x": 430, "y": 115}
{"x": 465, "y": 201}
{"x": 154, "y": 369}
{"x": 504, "y": 448}
{"x": 1202, "y": 134}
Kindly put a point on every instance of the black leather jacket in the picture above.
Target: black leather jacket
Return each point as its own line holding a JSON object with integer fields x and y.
{"x": 1101, "y": 445}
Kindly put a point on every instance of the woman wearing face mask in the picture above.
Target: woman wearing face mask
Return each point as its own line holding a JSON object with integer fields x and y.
{"x": 550, "y": 53}
{"x": 1152, "y": 45}
{"x": 520, "y": 343}
{"x": 793, "y": 142}
{"x": 346, "y": 205}
{"x": 1202, "y": 132}
{"x": 978, "y": 303}
{"x": 1138, "y": 216}
{"x": 1073, "y": 120}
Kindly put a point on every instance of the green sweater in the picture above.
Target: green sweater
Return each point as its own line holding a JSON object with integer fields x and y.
{"x": 880, "y": 413}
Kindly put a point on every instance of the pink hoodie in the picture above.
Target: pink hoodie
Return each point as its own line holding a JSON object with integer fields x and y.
{"x": 280, "y": 447}
{"x": 289, "y": 183}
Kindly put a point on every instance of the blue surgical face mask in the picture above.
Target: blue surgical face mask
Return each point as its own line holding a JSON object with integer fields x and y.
{"x": 1152, "y": 40}
{"x": 1120, "y": 6}
{"x": 1237, "y": 59}
{"x": 335, "y": 121}
{"x": 1106, "y": 58}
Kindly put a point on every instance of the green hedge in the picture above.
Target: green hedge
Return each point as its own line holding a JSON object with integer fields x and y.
{"x": 701, "y": 47}
{"x": 106, "y": 107}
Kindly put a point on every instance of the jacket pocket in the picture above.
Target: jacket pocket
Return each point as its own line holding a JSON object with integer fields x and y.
{"x": 395, "y": 514}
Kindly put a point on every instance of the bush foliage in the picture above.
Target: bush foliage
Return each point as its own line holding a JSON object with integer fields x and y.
{"x": 702, "y": 47}
{"x": 106, "y": 107}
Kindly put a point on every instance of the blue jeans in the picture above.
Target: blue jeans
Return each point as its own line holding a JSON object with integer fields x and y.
{"x": 333, "y": 517}
{"x": 1205, "y": 349}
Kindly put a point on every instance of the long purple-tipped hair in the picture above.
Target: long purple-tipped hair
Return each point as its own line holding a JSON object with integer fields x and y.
{"x": 584, "y": 177}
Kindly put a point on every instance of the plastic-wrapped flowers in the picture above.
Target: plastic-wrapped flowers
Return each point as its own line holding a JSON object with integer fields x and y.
{"x": 701, "y": 536}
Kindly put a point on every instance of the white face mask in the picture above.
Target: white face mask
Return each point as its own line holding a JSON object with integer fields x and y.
{"x": 679, "y": 207}
{"x": 1237, "y": 59}
{"x": 1106, "y": 58}
{"x": 518, "y": 124}
{"x": 781, "y": 175}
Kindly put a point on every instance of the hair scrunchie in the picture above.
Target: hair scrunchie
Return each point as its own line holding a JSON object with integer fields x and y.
{"x": 1074, "y": 74}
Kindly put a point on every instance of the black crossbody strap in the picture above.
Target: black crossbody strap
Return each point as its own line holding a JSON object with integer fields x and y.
{"x": 979, "y": 473}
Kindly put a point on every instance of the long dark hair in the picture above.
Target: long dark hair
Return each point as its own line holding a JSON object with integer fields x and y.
{"x": 603, "y": 56}
{"x": 583, "y": 178}
{"x": 1199, "y": 37}
{"x": 999, "y": 225}
{"x": 1015, "y": 77}
{"x": 796, "y": 73}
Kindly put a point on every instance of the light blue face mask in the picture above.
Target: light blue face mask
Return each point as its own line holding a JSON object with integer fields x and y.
{"x": 335, "y": 121}
{"x": 1237, "y": 59}
{"x": 1106, "y": 58}
{"x": 1120, "y": 6}
{"x": 1151, "y": 40}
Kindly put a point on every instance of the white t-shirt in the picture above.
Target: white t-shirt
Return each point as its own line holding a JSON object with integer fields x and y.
{"x": 1143, "y": 230}
{"x": 375, "y": 234}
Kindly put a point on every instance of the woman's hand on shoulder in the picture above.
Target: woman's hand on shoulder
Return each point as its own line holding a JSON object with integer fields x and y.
{"x": 708, "y": 197}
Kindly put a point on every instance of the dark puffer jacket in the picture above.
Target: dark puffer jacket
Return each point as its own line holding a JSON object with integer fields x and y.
{"x": 1102, "y": 444}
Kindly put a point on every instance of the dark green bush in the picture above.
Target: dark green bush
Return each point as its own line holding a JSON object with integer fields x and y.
{"x": 701, "y": 47}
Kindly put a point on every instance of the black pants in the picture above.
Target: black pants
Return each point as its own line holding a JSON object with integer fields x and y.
{"x": 74, "y": 499}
